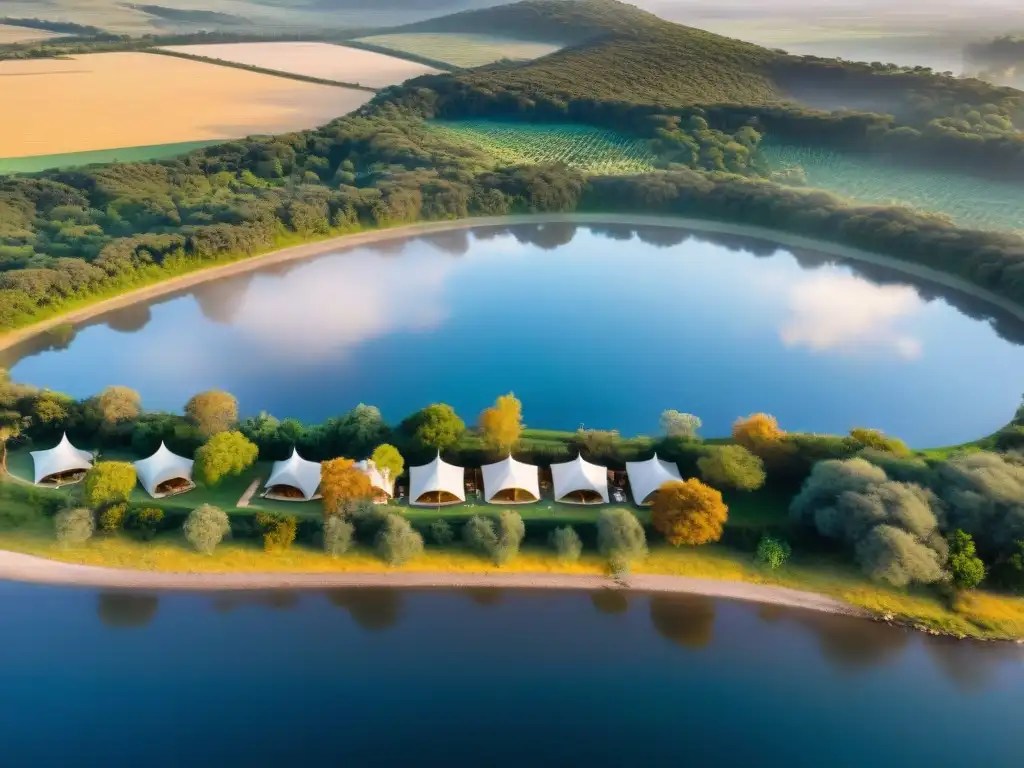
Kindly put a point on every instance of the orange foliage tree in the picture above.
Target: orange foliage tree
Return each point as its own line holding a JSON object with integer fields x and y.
{"x": 757, "y": 431}
{"x": 341, "y": 480}
{"x": 502, "y": 423}
{"x": 689, "y": 512}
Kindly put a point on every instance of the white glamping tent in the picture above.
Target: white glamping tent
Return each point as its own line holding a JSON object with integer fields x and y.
{"x": 645, "y": 477}
{"x": 506, "y": 480}
{"x": 383, "y": 486}
{"x": 165, "y": 473}
{"x": 294, "y": 479}
{"x": 580, "y": 482}
{"x": 60, "y": 465}
{"x": 436, "y": 484}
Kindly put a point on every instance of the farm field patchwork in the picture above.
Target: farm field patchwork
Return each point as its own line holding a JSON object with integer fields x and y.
{"x": 143, "y": 100}
{"x": 12, "y": 34}
{"x": 595, "y": 150}
{"x": 117, "y": 155}
{"x": 970, "y": 201}
{"x": 321, "y": 60}
{"x": 462, "y": 50}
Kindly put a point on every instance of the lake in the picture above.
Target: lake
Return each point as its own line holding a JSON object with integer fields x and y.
{"x": 600, "y": 326}
{"x": 487, "y": 677}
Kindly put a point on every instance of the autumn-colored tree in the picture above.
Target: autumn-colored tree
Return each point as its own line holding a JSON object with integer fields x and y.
{"x": 757, "y": 432}
{"x": 108, "y": 482}
{"x": 212, "y": 412}
{"x": 118, "y": 404}
{"x": 224, "y": 455}
{"x": 689, "y": 512}
{"x": 340, "y": 481}
{"x": 11, "y": 423}
{"x": 502, "y": 423}
{"x": 875, "y": 438}
{"x": 50, "y": 407}
{"x": 388, "y": 461}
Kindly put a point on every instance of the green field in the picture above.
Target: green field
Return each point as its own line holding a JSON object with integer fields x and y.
{"x": 594, "y": 150}
{"x": 462, "y": 50}
{"x": 970, "y": 201}
{"x": 123, "y": 154}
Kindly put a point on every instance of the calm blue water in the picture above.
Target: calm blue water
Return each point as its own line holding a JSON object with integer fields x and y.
{"x": 604, "y": 328}
{"x": 493, "y": 678}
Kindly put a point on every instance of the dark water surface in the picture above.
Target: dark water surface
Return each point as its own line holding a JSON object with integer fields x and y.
{"x": 487, "y": 677}
{"x": 601, "y": 326}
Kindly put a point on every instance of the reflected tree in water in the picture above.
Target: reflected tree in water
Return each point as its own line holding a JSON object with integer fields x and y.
{"x": 485, "y": 595}
{"x": 847, "y": 642}
{"x": 220, "y": 301}
{"x": 620, "y": 232}
{"x": 547, "y": 237}
{"x": 126, "y": 610}
{"x": 454, "y": 243}
{"x": 662, "y": 237}
{"x": 686, "y": 620}
{"x": 971, "y": 666}
{"x": 372, "y": 608}
{"x": 130, "y": 319}
{"x": 610, "y": 601}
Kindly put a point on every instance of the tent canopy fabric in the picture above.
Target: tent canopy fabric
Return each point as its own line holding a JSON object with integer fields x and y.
{"x": 377, "y": 478}
{"x": 645, "y": 477}
{"x": 579, "y": 475}
{"x": 510, "y": 474}
{"x": 161, "y": 467}
{"x": 298, "y": 473}
{"x": 436, "y": 477}
{"x": 63, "y": 457}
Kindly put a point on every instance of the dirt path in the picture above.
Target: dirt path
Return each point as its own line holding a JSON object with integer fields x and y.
{"x": 28, "y": 568}
{"x": 243, "y": 502}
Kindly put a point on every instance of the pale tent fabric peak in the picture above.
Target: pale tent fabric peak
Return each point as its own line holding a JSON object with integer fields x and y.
{"x": 381, "y": 481}
{"x": 579, "y": 476}
{"x": 63, "y": 457}
{"x": 645, "y": 477}
{"x": 437, "y": 477}
{"x": 162, "y": 466}
{"x": 510, "y": 475}
{"x": 297, "y": 473}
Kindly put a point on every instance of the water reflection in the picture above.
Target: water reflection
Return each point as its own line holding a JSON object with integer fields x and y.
{"x": 129, "y": 319}
{"x": 547, "y": 237}
{"x": 275, "y": 599}
{"x": 610, "y": 601}
{"x": 372, "y": 608}
{"x": 126, "y": 610}
{"x": 971, "y": 666}
{"x": 454, "y": 242}
{"x": 220, "y": 301}
{"x": 485, "y": 595}
{"x": 849, "y": 643}
{"x": 686, "y": 620}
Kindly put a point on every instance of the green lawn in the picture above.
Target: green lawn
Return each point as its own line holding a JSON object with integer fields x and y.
{"x": 122, "y": 154}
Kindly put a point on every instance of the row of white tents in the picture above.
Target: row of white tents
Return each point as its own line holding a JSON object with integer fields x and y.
{"x": 435, "y": 484}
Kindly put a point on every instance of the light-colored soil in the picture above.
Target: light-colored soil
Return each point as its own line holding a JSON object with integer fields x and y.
{"x": 321, "y": 60}
{"x": 462, "y": 50}
{"x": 141, "y": 99}
{"x": 28, "y": 568}
{"x": 12, "y": 34}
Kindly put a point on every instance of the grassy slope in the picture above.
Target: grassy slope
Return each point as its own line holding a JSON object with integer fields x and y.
{"x": 123, "y": 155}
{"x": 461, "y": 50}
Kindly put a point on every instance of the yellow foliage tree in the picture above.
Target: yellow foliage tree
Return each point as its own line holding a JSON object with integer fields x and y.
{"x": 757, "y": 431}
{"x": 689, "y": 512}
{"x": 502, "y": 423}
{"x": 340, "y": 481}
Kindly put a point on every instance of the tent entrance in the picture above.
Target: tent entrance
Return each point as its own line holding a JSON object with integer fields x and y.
{"x": 438, "y": 497}
{"x": 585, "y": 496}
{"x": 57, "y": 479}
{"x": 173, "y": 487}
{"x": 513, "y": 496}
{"x": 284, "y": 493}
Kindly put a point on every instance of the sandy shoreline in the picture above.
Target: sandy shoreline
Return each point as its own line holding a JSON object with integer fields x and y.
{"x": 322, "y": 247}
{"x": 37, "y": 570}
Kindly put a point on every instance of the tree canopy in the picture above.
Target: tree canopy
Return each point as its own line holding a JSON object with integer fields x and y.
{"x": 340, "y": 481}
{"x": 108, "y": 482}
{"x": 689, "y": 512}
{"x": 225, "y": 454}
{"x": 212, "y": 412}
{"x": 436, "y": 426}
{"x": 502, "y": 423}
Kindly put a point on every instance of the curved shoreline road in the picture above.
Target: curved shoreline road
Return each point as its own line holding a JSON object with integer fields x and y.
{"x": 322, "y": 247}
{"x": 37, "y": 570}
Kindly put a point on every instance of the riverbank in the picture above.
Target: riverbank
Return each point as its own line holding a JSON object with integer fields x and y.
{"x": 355, "y": 240}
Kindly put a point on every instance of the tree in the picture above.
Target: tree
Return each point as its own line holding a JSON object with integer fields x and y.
{"x": 876, "y": 439}
{"x": 479, "y": 535}
{"x": 891, "y": 554}
{"x": 772, "y": 553}
{"x": 676, "y": 424}
{"x": 108, "y": 482}
{"x": 341, "y": 480}
{"x": 436, "y": 426}
{"x": 11, "y": 423}
{"x": 112, "y": 517}
{"x": 620, "y": 539}
{"x": 146, "y": 522}
{"x": 566, "y": 543}
{"x": 212, "y": 412}
{"x": 388, "y": 461}
{"x": 441, "y": 533}
{"x": 757, "y": 432}
{"x": 206, "y": 527}
{"x": 511, "y": 532}
{"x": 339, "y": 535}
{"x": 398, "y": 542}
{"x": 689, "y": 512}
{"x": 50, "y": 408}
{"x": 118, "y": 404}
{"x": 74, "y": 526}
{"x": 965, "y": 567}
{"x": 732, "y": 466}
{"x": 502, "y": 423}
{"x": 278, "y": 530}
{"x": 358, "y": 431}
{"x": 225, "y": 454}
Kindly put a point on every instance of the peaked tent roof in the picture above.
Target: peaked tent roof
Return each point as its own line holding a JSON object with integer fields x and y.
{"x": 377, "y": 478}
{"x": 436, "y": 476}
{"x": 507, "y": 474}
{"x": 63, "y": 457}
{"x": 645, "y": 477}
{"x": 161, "y": 467}
{"x": 579, "y": 475}
{"x": 296, "y": 472}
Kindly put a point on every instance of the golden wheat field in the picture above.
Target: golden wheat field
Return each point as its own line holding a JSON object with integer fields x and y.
{"x": 323, "y": 60}
{"x": 113, "y": 100}
{"x": 11, "y": 34}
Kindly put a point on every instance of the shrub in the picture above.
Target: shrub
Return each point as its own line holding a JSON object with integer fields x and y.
{"x": 112, "y": 518}
{"x": 398, "y": 542}
{"x": 732, "y": 466}
{"x": 511, "y": 531}
{"x": 566, "y": 543}
{"x": 965, "y": 567}
{"x": 676, "y": 424}
{"x": 367, "y": 517}
{"x": 108, "y": 482}
{"x": 620, "y": 539}
{"x": 441, "y": 533}
{"x": 206, "y": 527}
{"x": 225, "y": 454}
{"x": 278, "y": 530}
{"x": 896, "y": 556}
{"x": 479, "y": 535}
{"x": 689, "y": 512}
{"x": 339, "y": 535}
{"x": 772, "y": 553}
{"x": 74, "y": 526}
{"x": 879, "y": 441}
{"x": 145, "y": 522}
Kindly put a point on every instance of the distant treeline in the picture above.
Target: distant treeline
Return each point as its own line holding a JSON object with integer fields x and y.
{"x": 1001, "y": 52}
{"x": 65, "y": 27}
